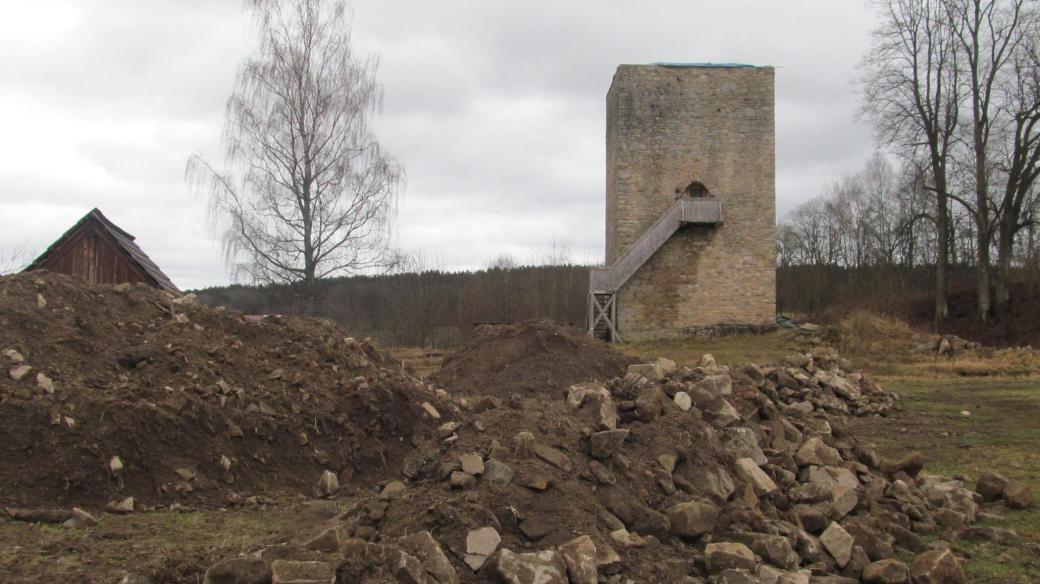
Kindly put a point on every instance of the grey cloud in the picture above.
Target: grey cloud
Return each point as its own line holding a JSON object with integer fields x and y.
{"x": 495, "y": 108}
{"x": 136, "y": 59}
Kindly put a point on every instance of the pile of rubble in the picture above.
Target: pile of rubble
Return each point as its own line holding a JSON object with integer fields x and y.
{"x": 131, "y": 398}
{"x": 544, "y": 457}
{"x": 667, "y": 474}
{"x": 946, "y": 345}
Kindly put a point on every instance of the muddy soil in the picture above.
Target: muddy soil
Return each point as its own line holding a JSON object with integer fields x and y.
{"x": 200, "y": 405}
{"x": 529, "y": 358}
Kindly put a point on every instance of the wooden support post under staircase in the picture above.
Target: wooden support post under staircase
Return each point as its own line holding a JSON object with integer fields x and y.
{"x": 602, "y": 316}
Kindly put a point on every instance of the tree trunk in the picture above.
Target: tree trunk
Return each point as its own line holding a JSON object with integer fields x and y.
{"x": 1005, "y": 249}
{"x": 982, "y": 273}
{"x": 942, "y": 257}
{"x": 1031, "y": 248}
{"x": 982, "y": 269}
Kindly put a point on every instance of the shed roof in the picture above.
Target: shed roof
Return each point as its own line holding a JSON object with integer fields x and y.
{"x": 124, "y": 240}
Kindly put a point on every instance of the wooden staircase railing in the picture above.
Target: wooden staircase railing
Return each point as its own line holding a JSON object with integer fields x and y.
{"x": 605, "y": 282}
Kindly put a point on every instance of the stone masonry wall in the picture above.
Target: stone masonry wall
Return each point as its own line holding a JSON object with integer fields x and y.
{"x": 667, "y": 127}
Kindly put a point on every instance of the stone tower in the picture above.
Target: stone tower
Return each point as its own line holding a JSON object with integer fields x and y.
{"x": 690, "y": 240}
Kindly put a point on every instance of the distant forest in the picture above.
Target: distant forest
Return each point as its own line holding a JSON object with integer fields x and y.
{"x": 439, "y": 309}
{"x": 429, "y": 308}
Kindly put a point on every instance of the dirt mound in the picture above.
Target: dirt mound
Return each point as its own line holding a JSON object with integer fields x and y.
{"x": 531, "y": 357}
{"x": 665, "y": 475}
{"x": 199, "y": 405}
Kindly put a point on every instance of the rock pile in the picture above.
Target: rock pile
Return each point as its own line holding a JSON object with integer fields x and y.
{"x": 665, "y": 474}
{"x": 946, "y": 345}
{"x": 994, "y": 487}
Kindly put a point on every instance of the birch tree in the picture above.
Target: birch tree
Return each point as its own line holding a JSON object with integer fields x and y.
{"x": 305, "y": 191}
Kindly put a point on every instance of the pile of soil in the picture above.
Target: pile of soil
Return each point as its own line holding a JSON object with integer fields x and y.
{"x": 667, "y": 474}
{"x": 531, "y": 357}
{"x": 200, "y": 406}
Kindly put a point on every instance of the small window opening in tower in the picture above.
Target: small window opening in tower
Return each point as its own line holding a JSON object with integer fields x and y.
{"x": 696, "y": 189}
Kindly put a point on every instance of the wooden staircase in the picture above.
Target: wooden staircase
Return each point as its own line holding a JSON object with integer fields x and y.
{"x": 604, "y": 283}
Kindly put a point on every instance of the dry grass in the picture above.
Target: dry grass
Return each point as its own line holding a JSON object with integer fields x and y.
{"x": 177, "y": 547}
{"x": 422, "y": 362}
{"x": 866, "y": 333}
{"x": 890, "y": 347}
{"x": 1009, "y": 363}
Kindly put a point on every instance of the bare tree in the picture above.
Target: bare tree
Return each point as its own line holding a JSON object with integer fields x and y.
{"x": 559, "y": 289}
{"x": 864, "y": 220}
{"x": 787, "y": 250}
{"x": 911, "y": 92}
{"x": 884, "y": 210}
{"x": 988, "y": 33}
{"x": 16, "y": 258}
{"x": 1020, "y": 162}
{"x": 503, "y": 261}
{"x": 804, "y": 236}
{"x": 916, "y": 213}
{"x": 306, "y": 191}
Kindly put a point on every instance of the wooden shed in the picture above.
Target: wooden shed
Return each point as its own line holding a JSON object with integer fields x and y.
{"x": 98, "y": 251}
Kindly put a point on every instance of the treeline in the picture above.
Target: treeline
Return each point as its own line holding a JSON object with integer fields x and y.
{"x": 428, "y": 308}
{"x": 870, "y": 241}
{"x": 892, "y": 289}
{"x": 439, "y": 309}
{"x": 952, "y": 88}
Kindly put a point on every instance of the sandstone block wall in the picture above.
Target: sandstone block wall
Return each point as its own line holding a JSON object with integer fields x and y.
{"x": 668, "y": 126}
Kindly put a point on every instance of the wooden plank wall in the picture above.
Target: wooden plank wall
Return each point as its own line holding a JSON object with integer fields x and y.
{"x": 90, "y": 254}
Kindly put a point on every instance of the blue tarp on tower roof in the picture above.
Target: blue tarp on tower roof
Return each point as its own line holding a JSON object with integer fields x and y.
{"x": 729, "y": 65}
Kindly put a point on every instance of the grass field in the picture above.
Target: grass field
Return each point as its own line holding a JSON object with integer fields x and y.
{"x": 1001, "y": 434}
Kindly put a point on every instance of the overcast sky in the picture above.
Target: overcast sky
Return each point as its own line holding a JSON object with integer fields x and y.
{"x": 495, "y": 108}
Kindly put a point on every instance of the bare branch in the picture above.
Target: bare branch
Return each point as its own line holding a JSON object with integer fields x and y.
{"x": 305, "y": 191}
